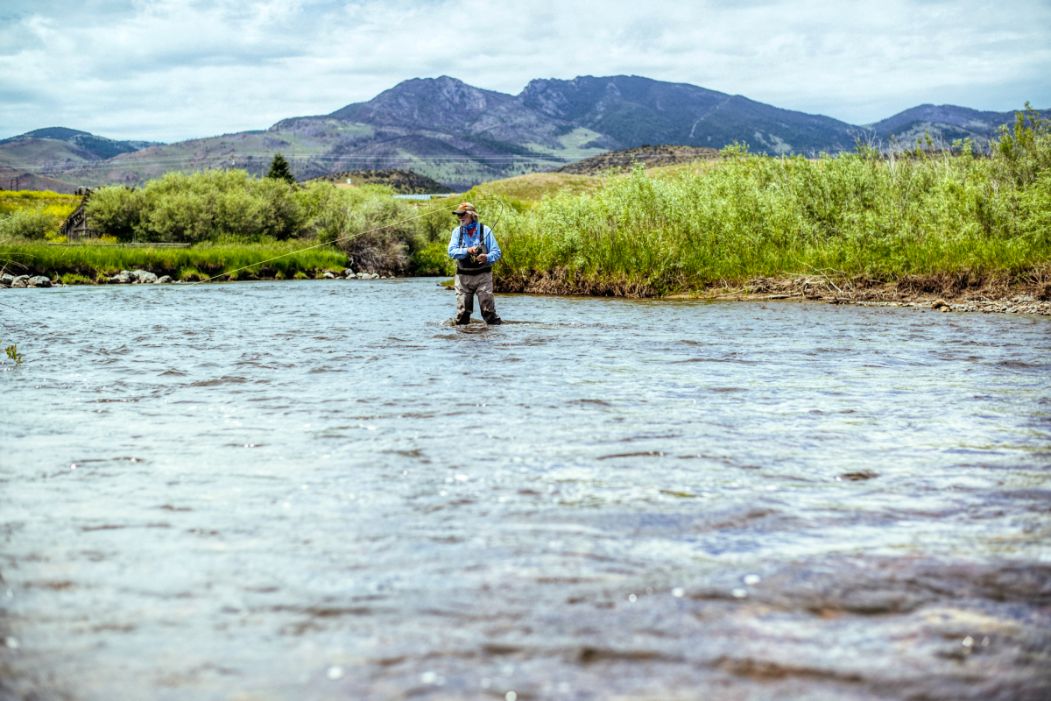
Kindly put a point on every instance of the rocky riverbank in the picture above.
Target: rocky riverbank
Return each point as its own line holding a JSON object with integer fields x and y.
{"x": 984, "y": 296}
{"x": 941, "y": 293}
{"x": 8, "y": 280}
{"x": 145, "y": 277}
{"x": 989, "y": 297}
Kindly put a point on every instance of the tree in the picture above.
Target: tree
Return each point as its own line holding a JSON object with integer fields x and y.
{"x": 280, "y": 170}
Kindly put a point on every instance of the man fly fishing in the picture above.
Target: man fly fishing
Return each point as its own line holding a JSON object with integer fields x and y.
{"x": 474, "y": 249}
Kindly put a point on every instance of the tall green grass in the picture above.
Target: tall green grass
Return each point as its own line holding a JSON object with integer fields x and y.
{"x": 853, "y": 216}
{"x": 90, "y": 262}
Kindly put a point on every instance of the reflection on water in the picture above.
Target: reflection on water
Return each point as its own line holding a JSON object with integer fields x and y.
{"x": 321, "y": 490}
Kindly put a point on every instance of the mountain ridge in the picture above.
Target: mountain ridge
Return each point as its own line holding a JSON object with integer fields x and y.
{"x": 459, "y": 135}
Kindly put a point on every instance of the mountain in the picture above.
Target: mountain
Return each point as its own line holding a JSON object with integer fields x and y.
{"x": 16, "y": 179}
{"x": 943, "y": 123}
{"x": 635, "y": 111}
{"x": 459, "y": 135}
{"x": 56, "y": 145}
{"x": 448, "y": 106}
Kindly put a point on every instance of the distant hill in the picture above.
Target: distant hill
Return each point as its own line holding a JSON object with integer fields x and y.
{"x": 460, "y": 135}
{"x": 403, "y": 182}
{"x": 15, "y": 179}
{"x": 60, "y": 142}
{"x": 93, "y": 146}
{"x": 943, "y": 123}
{"x": 646, "y": 156}
{"x": 44, "y": 157}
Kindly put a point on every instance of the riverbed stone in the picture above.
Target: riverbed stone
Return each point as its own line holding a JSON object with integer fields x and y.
{"x": 20, "y": 281}
{"x": 329, "y": 275}
{"x": 6, "y": 279}
{"x": 143, "y": 277}
{"x": 164, "y": 279}
{"x": 39, "y": 281}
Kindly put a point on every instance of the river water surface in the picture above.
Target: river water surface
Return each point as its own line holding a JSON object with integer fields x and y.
{"x": 321, "y": 490}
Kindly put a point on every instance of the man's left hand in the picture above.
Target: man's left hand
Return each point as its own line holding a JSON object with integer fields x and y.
{"x": 483, "y": 257}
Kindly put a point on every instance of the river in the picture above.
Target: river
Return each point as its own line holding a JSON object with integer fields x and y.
{"x": 321, "y": 490}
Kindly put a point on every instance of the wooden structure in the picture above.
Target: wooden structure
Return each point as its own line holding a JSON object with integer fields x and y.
{"x": 76, "y": 225}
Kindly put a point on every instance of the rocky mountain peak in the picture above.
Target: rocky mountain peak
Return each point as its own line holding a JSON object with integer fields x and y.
{"x": 439, "y": 101}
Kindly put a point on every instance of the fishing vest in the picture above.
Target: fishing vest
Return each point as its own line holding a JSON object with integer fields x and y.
{"x": 470, "y": 264}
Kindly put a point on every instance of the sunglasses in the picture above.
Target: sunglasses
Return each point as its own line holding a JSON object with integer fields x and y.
{"x": 461, "y": 215}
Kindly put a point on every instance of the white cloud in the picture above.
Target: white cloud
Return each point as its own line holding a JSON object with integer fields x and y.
{"x": 182, "y": 68}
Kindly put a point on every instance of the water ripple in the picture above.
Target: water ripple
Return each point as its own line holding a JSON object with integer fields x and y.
{"x": 598, "y": 499}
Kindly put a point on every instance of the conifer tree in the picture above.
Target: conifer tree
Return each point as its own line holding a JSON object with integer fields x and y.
{"x": 280, "y": 170}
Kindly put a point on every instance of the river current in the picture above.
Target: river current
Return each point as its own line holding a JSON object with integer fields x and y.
{"x": 322, "y": 490}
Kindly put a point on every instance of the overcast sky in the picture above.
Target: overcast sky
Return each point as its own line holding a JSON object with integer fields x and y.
{"x": 167, "y": 70}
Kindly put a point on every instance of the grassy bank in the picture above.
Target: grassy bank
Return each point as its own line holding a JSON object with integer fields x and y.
{"x": 942, "y": 223}
{"x": 215, "y": 223}
{"x": 89, "y": 263}
{"x": 848, "y": 217}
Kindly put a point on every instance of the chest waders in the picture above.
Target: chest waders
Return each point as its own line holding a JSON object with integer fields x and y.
{"x": 468, "y": 284}
{"x": 470, "y": 265}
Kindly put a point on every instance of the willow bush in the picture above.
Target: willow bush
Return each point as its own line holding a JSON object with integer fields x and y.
{"x": 207, "y": 206}
{"x": 231, "y": 220}
{"x": 376, "y": 232}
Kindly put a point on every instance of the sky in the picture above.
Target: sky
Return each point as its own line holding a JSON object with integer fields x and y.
{"x": 168, "y": 70}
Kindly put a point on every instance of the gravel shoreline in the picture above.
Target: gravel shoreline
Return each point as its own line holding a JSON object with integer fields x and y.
{"x": 992, "y": 298}
{"x": 989, "y": 298}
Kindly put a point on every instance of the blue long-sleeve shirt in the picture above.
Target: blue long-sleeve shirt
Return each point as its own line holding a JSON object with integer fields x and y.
{"x": 470, "y": 239}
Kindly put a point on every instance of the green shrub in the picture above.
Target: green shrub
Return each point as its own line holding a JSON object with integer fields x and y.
{"x": 381, "y": 231}
{"x": 433, "y": 259}
{"x": 75, "y": 279}
{"x": 28, "y": 224}
{"x": 191, "y": 274}
{"x": 116, "y": 211}
{"x": 325, "y": 210}
{"x": 1023, "y": 151}
{"x": 206, "y": 206}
